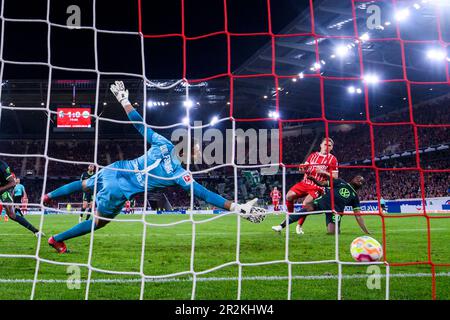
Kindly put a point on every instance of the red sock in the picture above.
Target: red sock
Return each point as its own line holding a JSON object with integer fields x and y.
{"x": 290, "y": 206}
{"x": 301, "y": 220}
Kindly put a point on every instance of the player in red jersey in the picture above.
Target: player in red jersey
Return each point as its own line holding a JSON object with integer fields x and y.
{"x": 275, "y": 195}
{"x": 127, "y": 207}
{"x": 318, "y": 165}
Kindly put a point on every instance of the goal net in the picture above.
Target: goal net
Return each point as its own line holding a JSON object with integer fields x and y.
{"x": 372, "y": 76}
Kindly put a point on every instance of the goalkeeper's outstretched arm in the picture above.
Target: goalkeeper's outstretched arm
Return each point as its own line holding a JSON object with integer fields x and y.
{"x": 121, "y": 94}
{"x": 216, "y": 199}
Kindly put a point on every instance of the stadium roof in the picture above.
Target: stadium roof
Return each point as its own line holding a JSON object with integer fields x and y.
{"x": 299, "y": 87}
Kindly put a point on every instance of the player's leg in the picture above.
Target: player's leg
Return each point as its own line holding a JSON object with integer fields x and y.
{"x": 89, "y": 208}
{"x": 9, "y": 209}
{"x": 296, "y": 191}
{"x": 68, "y": 189}
{"x": 110, "y": 201}
{"x": 299, "y": 227}
{"x": 17, "y": 210}
{"x": 330, "y": 219}
{"x": 83, "y": 207}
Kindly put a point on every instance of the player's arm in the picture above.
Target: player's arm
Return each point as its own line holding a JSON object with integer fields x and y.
{"x": 333, "y": 168}
{"x": 11, "y": 184}
{"x": 360, "y": 220}
{"x": 357, "y": 210}
{"x": 217, "y": 200}
{"x": 121, "y": 94}
{"x": 319, "y": 183}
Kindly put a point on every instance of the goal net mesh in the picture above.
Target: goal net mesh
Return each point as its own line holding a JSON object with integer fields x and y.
{"x": 357, "y": 15}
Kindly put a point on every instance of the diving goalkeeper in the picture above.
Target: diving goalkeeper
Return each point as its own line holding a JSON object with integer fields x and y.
{"x": 159, "y": 167}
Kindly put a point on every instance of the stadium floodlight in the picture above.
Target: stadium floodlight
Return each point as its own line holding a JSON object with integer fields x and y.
{"x": 416, "y": 6}
{"x": 351, "y": 89}
{"x": 188, "y": 103}
{"x": 150, "y": 104}
{"x": 358, "y": 91}
{"x": 274, "y": 115}
{"x": 365, "y": 37}
{"x": 214, "y": 120}
{"x": 341, "y": 51}
{"x": 371, "y": 79}
{"x": 402, "y": 14}
{"x": 436, "y": 54}
{"x": 185, "y": 120}
{"x": 301, "y": 75}
{"x": 294, "y": 79}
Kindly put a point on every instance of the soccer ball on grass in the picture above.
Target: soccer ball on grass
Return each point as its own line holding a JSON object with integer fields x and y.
{"x": 366, "y": 249}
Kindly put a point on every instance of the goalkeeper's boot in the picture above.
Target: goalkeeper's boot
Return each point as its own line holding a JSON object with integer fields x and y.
{"x": 277, "y": 228}
{"x": 59, "y": 246}
{"x": 299, "y": 229}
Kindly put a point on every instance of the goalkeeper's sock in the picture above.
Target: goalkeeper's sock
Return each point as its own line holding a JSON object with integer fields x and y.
{"x": 23, "y": 222}
{"x": 79, "y": 230}
{"x": 67, "y": 189}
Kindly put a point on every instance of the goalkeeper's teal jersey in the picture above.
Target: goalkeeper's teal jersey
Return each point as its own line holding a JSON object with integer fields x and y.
{"x": 160, "y": 164}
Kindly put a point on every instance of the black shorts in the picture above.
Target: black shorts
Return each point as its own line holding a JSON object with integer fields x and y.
{"x": 324, "y": 203}
{"x": 17, "y": 199}
{"x": 331, "y": 218}
{"x": 88, "y": 197}
{"x": 6, "y": 197}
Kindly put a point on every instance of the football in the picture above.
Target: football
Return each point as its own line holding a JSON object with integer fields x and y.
{"x": 366, "y": 249}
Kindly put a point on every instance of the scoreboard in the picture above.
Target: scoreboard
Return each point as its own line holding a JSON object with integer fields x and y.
{"x": 73, "y": 117}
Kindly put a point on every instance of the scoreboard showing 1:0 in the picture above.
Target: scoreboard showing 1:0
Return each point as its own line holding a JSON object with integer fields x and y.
{"x": 73, "y": 117}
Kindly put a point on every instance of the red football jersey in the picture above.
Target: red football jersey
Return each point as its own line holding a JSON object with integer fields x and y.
{"x": 275, "y": 195}
{"x": 317, "y": 162}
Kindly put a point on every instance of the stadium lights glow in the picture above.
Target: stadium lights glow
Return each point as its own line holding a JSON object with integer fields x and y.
{"x": 294, "y": 80}
{"x": 358, "y": 91}
{"x": 371, "y": 79}
{"x": 42, "y": 103}
{"x": 436, "y": 54}
{"x": 105, "y": 103}
{"x": 188, "y": 103}
{"x": 274, "y": 114}
{"x": 214, "y": 120}
{"x": 387, "y": 23}
{"x": 402, "y": 15}
{"x": 265, "y": 97}
{"x": 341, "y": 51}
{"x": 301, "y": 75}
{"x": 364, "y": 37}
{"x": 417, "y": 6}
{"x": 351, "y": 89}
{"x": 186, "y": 120}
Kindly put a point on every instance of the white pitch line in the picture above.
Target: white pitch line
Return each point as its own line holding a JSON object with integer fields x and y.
{"x": 218, "y": 233}
{"x": 211, "y": 279}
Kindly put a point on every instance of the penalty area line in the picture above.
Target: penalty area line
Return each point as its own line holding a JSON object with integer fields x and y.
{"x": 212, "y": 279}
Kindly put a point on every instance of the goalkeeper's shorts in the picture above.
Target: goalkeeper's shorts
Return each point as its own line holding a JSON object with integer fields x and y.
{"x": 110, "y": 198}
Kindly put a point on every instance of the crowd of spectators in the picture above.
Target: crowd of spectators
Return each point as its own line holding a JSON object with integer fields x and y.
{"x": 351, "y": 146}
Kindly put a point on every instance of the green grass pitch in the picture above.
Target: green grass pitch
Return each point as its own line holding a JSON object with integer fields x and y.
{"x": 168, "y": 250}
